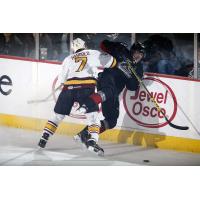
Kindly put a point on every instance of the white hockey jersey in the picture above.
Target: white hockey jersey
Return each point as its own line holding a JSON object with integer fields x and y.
{"x": 82, "y": 67}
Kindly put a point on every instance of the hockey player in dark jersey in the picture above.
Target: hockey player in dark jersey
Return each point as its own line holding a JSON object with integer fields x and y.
{"x": 111, "y": 82}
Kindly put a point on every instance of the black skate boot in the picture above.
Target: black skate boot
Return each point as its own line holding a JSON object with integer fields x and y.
{"x": 94, "y": 147}
{"x": 43, "y": 141}
{"x": 82, "y": 137}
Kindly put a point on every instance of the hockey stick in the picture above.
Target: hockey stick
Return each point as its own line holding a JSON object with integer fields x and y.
{"x": 153, "y": 100}
{"x": 45, "y": 99}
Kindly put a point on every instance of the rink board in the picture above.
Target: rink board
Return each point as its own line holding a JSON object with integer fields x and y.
{"x": 24, "y": 81}
{"x": 115, "y": 135}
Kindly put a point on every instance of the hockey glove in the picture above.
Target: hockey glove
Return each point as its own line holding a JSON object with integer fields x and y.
{"x": 123, "y": 66}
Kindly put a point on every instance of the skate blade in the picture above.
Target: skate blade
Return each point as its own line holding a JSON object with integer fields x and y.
{"x": 78, "y": 141}
{"x": 76, "y": 138}
{"x": 99, "y": 153}
{"x": 39, "y": 150}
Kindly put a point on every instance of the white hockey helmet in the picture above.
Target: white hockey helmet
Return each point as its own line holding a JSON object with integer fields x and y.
{"x": 78, "y": 44}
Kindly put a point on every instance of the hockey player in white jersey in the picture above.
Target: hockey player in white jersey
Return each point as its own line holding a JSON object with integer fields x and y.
{"x": 78, "y": 78}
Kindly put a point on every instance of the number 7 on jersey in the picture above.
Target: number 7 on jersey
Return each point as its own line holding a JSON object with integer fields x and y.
{"x": 83, "y": 60}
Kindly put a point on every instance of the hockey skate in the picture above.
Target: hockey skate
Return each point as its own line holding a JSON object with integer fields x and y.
{"x": 94, "y": 147}
{"x": 43, "y": 140}
{"x": 82, "y": 137}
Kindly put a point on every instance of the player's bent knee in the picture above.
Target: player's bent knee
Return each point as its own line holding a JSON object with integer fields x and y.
{"x": 57, "y": 118}
{"x": 111, "y": 123}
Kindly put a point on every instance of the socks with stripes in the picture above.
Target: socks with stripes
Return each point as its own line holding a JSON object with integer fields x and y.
{"x": 49, "y": 129}
{"x": 94, "y": 131}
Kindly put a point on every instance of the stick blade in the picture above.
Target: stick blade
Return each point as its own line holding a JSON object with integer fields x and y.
{"x": 176, "y": 126}
{"x": 179, "y": 127}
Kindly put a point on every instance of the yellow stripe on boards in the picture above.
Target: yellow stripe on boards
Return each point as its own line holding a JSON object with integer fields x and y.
{"x": 114, "y": 135}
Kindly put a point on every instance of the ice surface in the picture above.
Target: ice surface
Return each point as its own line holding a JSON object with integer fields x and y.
{"x": 19, "y": 147}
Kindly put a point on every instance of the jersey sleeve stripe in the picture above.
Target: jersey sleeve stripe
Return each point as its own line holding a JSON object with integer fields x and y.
{"x": 114, "y": 63}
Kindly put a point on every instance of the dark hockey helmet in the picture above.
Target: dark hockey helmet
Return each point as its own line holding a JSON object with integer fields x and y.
{"x": 138, "y": 46}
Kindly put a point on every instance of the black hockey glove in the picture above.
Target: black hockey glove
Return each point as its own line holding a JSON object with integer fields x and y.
{"x": 125, "y": 68}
